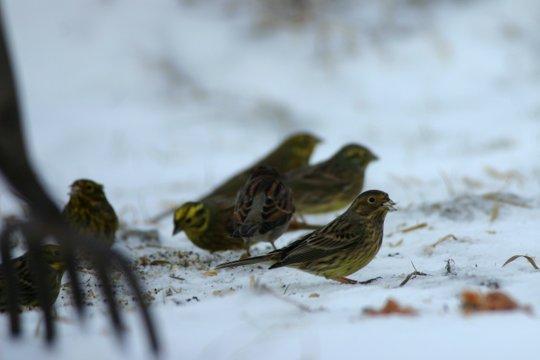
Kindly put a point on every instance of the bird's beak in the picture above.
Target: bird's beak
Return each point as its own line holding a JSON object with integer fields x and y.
{"x": 374, "y": 157}
{"x": 390, "y": 205}
{"x": 318, "y": 140}
{"x": 177, "y": 229}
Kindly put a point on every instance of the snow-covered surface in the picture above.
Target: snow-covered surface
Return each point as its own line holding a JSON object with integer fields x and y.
{"x": 160, "y": 100}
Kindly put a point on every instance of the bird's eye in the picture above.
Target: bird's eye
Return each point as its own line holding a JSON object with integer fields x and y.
{"x": 188, "y": 220}
{"x": 371, "y": 200}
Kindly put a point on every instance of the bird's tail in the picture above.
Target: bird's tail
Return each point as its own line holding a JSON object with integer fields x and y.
{"x": 248, "y": 261}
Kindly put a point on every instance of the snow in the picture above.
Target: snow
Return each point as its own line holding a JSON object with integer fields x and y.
{"x": 162, "y": 100}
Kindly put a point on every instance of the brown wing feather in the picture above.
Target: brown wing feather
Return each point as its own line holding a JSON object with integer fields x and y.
{"x": 328, "y": 240}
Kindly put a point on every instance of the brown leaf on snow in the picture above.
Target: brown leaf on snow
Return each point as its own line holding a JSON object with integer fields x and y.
{"x": 473, "y": 302}
{"x": 223, "y": 292}
{"x": 314, "y": 295}
{"x": 392, "y": 307}
{"x": 530, "y": 259}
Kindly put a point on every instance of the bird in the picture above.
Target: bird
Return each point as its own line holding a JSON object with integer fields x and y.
{"x": 89, "y": 212}
{"x": 26, "y": 288}
{"x": 45, "y": 220}
{"x": 293, "y": 152}
{"x": 208, "y": 224}
{"x": 332, "y": 184}
{"x": 263, "y": 209}
{"x": 339, "y": 249}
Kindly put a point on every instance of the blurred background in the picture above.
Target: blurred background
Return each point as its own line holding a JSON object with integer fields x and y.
{"x": 160, "y": 100}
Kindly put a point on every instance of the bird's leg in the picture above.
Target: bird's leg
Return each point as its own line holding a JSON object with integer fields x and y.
{"x": 273, "y": 245}
{"x": 247, "y": 254}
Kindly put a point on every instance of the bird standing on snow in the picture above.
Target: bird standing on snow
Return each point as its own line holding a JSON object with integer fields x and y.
{"x": 338, "y": 249}
{"x": 263, "y": 209}
{"x": 331, "y": 184}
{"x": 294, "y": 152}
{"x": 90, "y": 213}
{"x": 208, "y": 224}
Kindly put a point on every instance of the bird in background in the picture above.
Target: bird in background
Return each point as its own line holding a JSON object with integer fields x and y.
{"x": 89, "y": 212}
{"x": 332, "y": 184}
{"x": 293, "y": 152}
{"x": 263, "y": 209}
{"x": 208, "y": 224}
{"x": 53, "y": 270}
{"x": 339, "y": 249}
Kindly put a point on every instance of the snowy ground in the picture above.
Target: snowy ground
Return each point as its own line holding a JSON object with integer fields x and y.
{"x": 161, "y": 100}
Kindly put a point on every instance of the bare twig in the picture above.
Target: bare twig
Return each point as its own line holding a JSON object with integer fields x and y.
{"x": 530, "y": 259}
{"x": 450, "y": 267}
{"x": 412, "y": 275}
{"x": 431, "y": 248}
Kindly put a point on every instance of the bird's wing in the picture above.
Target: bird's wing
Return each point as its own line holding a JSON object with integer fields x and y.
{"x": 328, "y": 240}
{"x": 243, "y": 205}
{"x": 317, "y": 176}
{"x": 278, "y": 207}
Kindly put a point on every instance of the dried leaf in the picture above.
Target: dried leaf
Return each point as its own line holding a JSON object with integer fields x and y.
{"x": 472, "y": 183}
{"x": 430, "y": 249}
{"x": 530, "y": 259}
{"x": 473, "y": 302}
{"x": 505, "y": 199}
{"x": 224, "y": 292}
{"x": 396, "y": 244}
{"x": 391, "y": 307}
{"x": 314, "y": 295}
{"x": 506, "y": 176}
{"x": 495, "y": 211}
{"x": 414, "y": 227}
{"x": 210, "y": 273}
